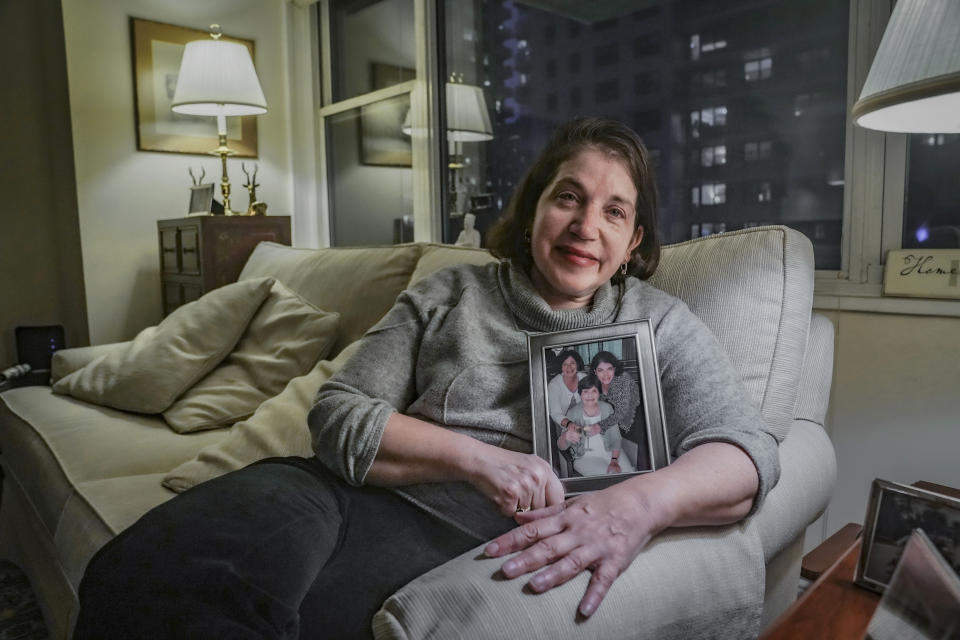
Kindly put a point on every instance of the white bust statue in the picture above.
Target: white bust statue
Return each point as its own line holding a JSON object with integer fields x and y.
{"x": 469, "y": 237}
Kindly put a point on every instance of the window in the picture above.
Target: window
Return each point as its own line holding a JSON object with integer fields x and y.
{"x": 606, "y": 55}
{"x": 646, "y": 83}
{"x": 707, "y": 46}
{"x": 607, "y": 91}
{"x": 646, "y": 45}
{"x": 707, "y": 195}
{"x": 758, "y": 69}
{"x": 753, "y": 151}
{"x": 762, "y": 192}
{"x": 883, "y": 192}
{"x": 710, "y": 156}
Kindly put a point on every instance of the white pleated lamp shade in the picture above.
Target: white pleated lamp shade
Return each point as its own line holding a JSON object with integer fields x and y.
{"x": 914, "y": 82}
{"x": 217, "y": 78}
{"x": 467, "y": 116}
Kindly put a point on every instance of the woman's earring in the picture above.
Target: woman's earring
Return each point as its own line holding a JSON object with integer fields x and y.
{"x": 526, "y": 236}
{"x": 623, "y": 269}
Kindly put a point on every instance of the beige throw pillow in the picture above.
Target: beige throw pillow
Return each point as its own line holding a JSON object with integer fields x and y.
{"x": 278, "y": 428}
{"x": 284, "y": 340}
{"x": 148, "y": 373}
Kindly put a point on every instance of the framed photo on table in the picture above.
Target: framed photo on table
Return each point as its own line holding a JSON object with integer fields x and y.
{"x": 580, "y": 450}
{"x": 893, "y": 512}
{"x": 156, "y": 49}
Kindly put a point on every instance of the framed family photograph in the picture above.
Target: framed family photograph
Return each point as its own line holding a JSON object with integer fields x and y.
{"x": 893, "y": 512}
{"x": 596, "y": 404}
{"x": 157, "y": 48}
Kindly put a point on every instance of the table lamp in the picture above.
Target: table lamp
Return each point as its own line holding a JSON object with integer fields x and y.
{"x": 914, "y": 82}
{"x": 217, "y": 78}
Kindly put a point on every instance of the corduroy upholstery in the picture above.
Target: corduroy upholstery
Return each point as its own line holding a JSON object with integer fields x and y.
{"x": 77, "y": 474}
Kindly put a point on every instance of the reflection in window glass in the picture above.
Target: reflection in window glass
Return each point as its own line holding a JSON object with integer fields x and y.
{"x": 931, "y": 217}
{"x": 781, "y": 134}
{"x": 373, "y": 45}
{"x": 370, "y": 179}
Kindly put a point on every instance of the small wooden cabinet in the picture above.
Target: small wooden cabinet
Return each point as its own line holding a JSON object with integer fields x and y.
{"x": 200, "y": 253}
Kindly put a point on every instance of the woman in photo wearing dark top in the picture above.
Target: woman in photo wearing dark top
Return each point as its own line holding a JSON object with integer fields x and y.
{"x": 416, "y": 463}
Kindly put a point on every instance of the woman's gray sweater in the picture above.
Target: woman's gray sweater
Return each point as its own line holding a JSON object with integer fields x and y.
{"x": 453, "y": 351}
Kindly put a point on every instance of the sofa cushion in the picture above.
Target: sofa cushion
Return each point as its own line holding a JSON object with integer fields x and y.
{"x": 148, "y": 373}
{"x": 360, "y": 284}
{"x": 438, "y": 256}
{"x": 768, "y": 272}
{"x": 284, "y": 340}
{"x": 278, "y": 428}
{"x": 53, "y": 443}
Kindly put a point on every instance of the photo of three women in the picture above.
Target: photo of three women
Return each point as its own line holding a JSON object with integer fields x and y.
{"x": 591, "y": 410}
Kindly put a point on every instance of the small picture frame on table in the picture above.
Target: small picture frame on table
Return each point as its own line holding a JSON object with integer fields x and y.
{"x": 923, "y": 597}
{"x": 893, "y": 512}
{"x": 582, "y": 460}
{"x": 201, "y": 200}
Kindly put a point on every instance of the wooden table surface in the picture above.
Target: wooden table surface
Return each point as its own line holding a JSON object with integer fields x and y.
{"x": 833, "y": 607}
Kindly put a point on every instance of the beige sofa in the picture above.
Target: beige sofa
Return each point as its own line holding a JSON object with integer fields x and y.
{"x": 76, "y": 473}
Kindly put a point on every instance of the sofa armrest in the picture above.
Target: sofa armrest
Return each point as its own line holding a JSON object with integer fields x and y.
{"x": 808, "y": 474}
{"x": 66, "y": 361}
{"x": 696, "y": 582}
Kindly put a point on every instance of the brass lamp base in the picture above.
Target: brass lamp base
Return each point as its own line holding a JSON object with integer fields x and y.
{"x": 223, "y": 151}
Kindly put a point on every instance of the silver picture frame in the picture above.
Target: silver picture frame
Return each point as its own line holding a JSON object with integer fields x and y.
{"x": 649, "y": 430}
{"x": 893, "y": 512}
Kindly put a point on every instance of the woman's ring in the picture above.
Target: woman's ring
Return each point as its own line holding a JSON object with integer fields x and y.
{"x": 522, "y": 509}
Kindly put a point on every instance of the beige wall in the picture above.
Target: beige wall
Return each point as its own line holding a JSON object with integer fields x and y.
{"x": 41, "y": 281}
{"x": 894, "y": 407}
{"x": 122, "y": 192}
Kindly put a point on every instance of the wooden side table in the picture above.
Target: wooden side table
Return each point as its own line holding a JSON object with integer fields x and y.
{"x": 200, "y": 253}
{"x": 833, "y": 606}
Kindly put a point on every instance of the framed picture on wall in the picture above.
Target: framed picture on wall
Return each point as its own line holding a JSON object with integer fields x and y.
{"x": 156, "y": 52}
{"x": 597, "y": 405}
{"x": 382, "y": 141}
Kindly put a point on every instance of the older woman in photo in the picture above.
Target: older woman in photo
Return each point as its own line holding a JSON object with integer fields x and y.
{"x": 423, "y": 441}
{"x": 594, "y": 452}
{"x": 562, "y": 390}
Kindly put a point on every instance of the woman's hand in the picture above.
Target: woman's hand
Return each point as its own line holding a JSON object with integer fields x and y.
{"x": 572, "y": 434}
{"x": 712, "y": 484}
{"x": 515, "y": 481}
{"x": 601, "y": 531}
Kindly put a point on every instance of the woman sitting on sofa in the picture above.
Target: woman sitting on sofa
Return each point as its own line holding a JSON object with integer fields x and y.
{"x": 423, "y": 439}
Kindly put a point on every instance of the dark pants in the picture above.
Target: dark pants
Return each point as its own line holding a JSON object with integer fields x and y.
{"x": 280, "y": 549}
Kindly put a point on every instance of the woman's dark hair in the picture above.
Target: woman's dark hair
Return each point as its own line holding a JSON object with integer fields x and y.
{"x": 508, "y": 238}
{"x": 609, "y": 358}
{"x": 570, "y": 353}
{"x": 590, "y": 381}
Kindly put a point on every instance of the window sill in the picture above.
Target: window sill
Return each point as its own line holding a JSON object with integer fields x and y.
{"x": 832, "y": 295}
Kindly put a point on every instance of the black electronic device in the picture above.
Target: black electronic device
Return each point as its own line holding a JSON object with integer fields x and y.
{"x": 35, "y": 345}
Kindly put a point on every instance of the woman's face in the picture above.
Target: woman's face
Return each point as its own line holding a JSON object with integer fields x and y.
{"x": 583, "y": 228}
{"x": 569, "y": 367}
{"x": 589, "y": 396}
{"x": 605, "y": 372}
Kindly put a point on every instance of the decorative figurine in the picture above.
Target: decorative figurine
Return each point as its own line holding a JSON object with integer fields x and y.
{"x": 469, "y": 237}
{"x": 256, "y": 208}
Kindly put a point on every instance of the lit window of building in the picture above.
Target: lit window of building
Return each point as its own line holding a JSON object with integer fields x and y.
{"x": 710, "y": 194}
{"x": 698, "y": 46}
{"x": 759, "y": 68}
{"x": 763, "y": 192}
{"x": 710, "y": 156}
